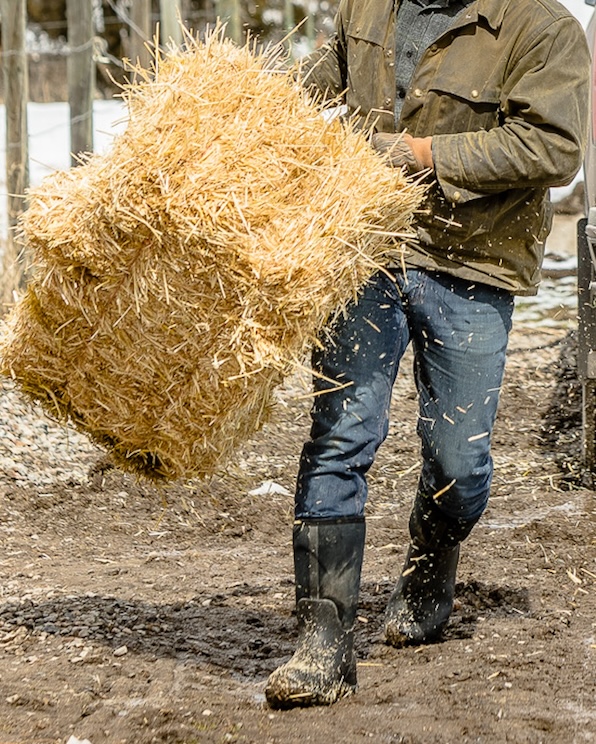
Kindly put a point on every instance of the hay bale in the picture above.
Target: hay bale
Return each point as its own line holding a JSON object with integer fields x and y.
{"x": 181, "y": 275}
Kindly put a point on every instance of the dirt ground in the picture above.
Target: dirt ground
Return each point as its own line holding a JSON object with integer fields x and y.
{"x": 130, "y": 614}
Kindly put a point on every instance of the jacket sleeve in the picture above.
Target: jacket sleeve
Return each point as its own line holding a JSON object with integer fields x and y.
{"x": 324, "y": 71}
{"x": 544, "y": 111}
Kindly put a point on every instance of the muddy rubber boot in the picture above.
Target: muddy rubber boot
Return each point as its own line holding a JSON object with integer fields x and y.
{"x": 328, "y": 561}
{"x": 422, "y": 600}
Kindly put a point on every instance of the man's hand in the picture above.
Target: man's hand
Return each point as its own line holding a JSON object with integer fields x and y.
{"x": 404, "y": 151}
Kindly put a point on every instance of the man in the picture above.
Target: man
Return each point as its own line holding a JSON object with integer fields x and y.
{"x": 489, "y": 98}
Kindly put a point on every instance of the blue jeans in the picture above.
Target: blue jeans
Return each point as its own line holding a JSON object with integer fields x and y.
{"x": 459, "y": 332}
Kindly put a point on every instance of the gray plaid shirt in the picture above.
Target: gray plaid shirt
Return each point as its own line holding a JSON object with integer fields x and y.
{"x": 419, "y": 23}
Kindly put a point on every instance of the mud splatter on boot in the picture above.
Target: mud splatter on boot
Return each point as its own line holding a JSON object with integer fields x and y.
{"x": 323, "y": 667}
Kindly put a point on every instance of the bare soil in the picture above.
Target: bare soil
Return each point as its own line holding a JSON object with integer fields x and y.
{"x": 132, "y": 614}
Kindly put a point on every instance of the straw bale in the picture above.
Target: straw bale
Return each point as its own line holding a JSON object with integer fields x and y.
{"x": 181, "y": 275}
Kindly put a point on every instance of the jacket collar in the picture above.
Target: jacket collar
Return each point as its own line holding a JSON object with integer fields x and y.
{"x": 492, "y": 10}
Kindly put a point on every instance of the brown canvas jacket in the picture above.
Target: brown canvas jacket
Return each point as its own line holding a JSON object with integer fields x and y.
{"x": 504, "y": 94}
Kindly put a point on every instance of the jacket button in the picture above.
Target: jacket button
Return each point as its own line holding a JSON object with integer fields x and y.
{"x": 475, "y": 94}
{"x": 387, "y": 101}
{"x": 456, "y": 196}
{"x": 388, "y": 53}
{"x": 417, "y": 92}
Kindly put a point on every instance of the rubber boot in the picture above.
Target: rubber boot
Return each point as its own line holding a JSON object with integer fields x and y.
{"x": 328, "y": 562}
{"x": 422, "y": 601}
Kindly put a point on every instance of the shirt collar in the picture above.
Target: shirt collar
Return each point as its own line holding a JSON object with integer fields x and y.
{"x": 435, "y": 3}
{"x": 492, "y": 10}
{"x": 440, "y": 4}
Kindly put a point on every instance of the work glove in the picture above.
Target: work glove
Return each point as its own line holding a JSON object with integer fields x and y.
{"x": 404, "y": 151}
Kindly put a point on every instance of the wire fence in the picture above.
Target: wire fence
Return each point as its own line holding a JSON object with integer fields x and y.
{"x": 115, "y": 26}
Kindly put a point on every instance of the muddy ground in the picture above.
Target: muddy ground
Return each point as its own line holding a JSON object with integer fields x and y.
{"x": 129, "y": 614}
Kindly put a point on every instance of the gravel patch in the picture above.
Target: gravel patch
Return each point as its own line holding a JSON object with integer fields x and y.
{"x": 34, "y": 450}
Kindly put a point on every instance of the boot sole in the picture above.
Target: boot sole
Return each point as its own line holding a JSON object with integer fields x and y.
{"x": 398, "y": 638}
{"x": 284, "y": 698}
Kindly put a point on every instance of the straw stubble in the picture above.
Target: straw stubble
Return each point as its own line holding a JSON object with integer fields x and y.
{"x": 184, "y": 273}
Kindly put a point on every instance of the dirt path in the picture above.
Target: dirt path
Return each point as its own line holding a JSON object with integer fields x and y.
{"x": 132, "y": 615}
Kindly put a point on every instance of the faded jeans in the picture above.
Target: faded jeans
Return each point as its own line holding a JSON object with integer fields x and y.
{"x": 459, "y": 332}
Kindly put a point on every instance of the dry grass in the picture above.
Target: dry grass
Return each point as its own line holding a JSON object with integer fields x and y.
{"x": 180, "y": 276}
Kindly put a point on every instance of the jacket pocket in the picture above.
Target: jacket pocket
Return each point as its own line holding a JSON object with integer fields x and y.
{"x": 366, "y": 27}
{"x": 464, "y": 104}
